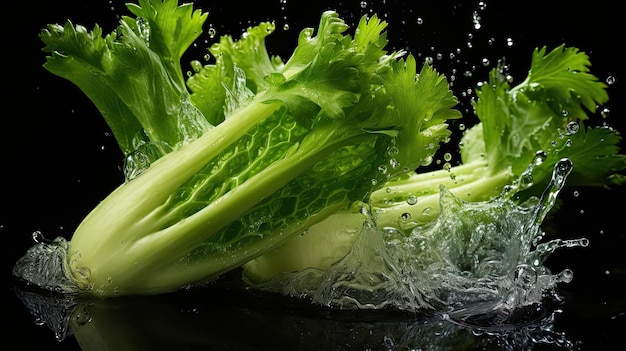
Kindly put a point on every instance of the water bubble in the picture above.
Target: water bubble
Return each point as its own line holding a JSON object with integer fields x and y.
{"x": 411, "y": 200}
{"x": 561, "y": 169}
{"x": 572, "y": 128}
{"x": 428, "y": 211}
{"x": 610, "y": 80}
{"x": 428, "y": 160}
{"x": 540, "y": 156}
{"x": 565, "y": 276}
{"x": 405, "y": 217}
{"x": 363, "y": 4}
{"x": 509, "y": 42}
{"x": 196, "y": 65}
{"x": 526, "y": 180}
{"x": 394, "y": 163}
{"x": 212, "y": 32}
{"x": 37, "y": 236}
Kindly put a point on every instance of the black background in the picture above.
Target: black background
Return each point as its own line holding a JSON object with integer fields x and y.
{"x": 59, "y": 160}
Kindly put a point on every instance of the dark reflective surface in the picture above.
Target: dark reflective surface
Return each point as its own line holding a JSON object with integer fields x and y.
{"x": 59, "y": 161}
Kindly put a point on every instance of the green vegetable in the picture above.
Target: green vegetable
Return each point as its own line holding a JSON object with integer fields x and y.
{"x": 266, "y": 163}
{"x": 248, "y": 153}
{"x": 538, "y": 122}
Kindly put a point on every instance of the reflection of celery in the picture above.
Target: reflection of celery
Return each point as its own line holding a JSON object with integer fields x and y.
{"x": 254, "y": 153}
{"x": 539, "y": 122}
{"x": 187, "y": 321}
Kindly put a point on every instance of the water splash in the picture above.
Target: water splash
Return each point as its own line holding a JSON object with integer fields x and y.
{"x": 479, "y": 263}
{"x": 44, "y": 265}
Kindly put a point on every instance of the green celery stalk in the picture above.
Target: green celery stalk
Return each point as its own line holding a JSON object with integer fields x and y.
{"x": 536, "y": 123}
{"x": 250, "y": 153}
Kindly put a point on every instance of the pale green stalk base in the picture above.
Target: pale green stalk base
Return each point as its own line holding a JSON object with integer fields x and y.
{"x": 327, "y": 242}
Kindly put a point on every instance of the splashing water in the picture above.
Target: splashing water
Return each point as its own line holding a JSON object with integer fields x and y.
{"x": 479, "y": 263}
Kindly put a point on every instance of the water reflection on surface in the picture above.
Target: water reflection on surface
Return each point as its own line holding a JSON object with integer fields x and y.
{"x": 227, "y": 316}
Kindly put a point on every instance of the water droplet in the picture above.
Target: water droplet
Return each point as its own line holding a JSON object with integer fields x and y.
{"x": 526, "y": 180}
{"x": 427, "y": 161}
{"x": 540, "y": 156}
{"x": 565, "y": 276}
{"x": 572, "y": 128}
{"x": 411, "y": 200}
{"x": 143, "y": 26}
{"x": 476, "y": 21}
{"x": 37, "y": 236}
{"x": 428, "y": 211}
{"x": 196, "y": 65}
{"x": 610, "y": 80}
{"x": 605, "y": 112}
{"x": 82, "y": 316}
{"x": 212, "y": 32}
